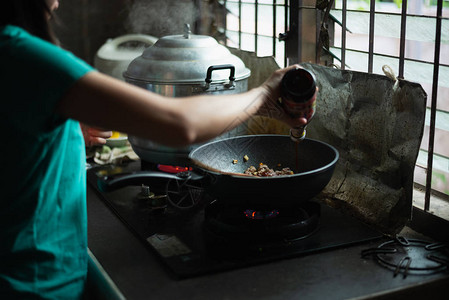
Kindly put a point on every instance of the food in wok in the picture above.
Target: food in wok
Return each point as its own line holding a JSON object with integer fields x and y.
{"x": 264, "y": 171}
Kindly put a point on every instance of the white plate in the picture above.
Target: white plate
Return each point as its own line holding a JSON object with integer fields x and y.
{"x": 120, "y": 141}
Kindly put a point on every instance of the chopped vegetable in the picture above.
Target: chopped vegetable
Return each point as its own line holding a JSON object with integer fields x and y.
{"x": 235, "y": 161}
{"x": 245, "y": 158}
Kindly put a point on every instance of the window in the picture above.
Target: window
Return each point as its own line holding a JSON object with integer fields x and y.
{"x": 255, "y": 26}
{"x": 405, "y": 35}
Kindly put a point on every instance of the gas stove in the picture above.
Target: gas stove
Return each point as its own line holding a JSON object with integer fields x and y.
{"x": 195, "y": 234}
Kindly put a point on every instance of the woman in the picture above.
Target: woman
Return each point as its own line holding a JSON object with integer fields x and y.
{"x": 46, "y": 92}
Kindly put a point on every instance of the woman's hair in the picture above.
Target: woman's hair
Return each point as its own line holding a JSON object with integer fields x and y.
{"x": 31, "y": 15}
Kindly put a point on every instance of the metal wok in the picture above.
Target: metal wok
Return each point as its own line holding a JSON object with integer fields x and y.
{"x": 312, "y": 161}
{"x": 313, "y": 166}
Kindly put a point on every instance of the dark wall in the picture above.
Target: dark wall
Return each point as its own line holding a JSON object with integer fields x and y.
{"x": 87, "y": 24}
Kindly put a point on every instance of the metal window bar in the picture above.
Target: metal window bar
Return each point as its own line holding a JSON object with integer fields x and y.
{"x": 286, "y": 19}
{"x": 402, "y": 39}
{"x": 343, "y": 35}
{"x": 240, "y": 24}
{"x": 224, "y": 16}
{"x": 293, "y": 42}
{"x": 371, "y": 35}
{"x": 256, "y": 17}
{"x": 274, "y": 27}
{"x": 433, "y": 107}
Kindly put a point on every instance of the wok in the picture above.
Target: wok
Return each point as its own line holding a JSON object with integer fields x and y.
{"x": 312, "y": 161}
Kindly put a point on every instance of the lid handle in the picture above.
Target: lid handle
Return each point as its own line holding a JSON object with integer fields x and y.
{"x": 187, "y": 31}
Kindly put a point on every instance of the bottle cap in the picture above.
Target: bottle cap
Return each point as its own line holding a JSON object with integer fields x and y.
{"x": 298, "y": 134}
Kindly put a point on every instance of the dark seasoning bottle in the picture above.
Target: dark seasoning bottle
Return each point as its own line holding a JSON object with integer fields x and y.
{"x": 299, "y": 98}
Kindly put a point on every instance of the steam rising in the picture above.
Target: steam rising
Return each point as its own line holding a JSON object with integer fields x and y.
{"x": 161, "y": 17}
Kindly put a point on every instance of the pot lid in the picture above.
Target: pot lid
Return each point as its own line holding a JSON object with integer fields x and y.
{"x": 185, "y": 59}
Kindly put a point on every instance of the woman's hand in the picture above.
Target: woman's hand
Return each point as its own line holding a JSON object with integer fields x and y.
{"x": 94, "y": 136}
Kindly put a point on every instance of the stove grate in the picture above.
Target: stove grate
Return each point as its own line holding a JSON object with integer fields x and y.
{"x": 411, "y": 256}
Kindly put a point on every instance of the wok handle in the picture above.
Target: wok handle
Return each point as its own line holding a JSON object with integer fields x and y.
{"x": 110, "y": 183}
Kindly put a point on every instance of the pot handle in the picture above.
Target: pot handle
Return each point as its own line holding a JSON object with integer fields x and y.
{"x": 110, "y": 183}
{"x": 220, "y": 67}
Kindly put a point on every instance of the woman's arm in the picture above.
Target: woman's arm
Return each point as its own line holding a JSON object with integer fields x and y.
{"x": 102, "y": 101}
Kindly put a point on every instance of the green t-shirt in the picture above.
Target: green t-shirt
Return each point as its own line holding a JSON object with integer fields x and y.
{"x": 43, "y": 223}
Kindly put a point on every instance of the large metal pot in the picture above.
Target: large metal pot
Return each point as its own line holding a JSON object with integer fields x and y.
{"x": 184, "y": 65}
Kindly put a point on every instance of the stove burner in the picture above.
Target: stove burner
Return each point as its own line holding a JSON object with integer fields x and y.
{"x": 236, "y": 223}
{"x": 411, "y": 256}
{"x": 259, "y": 215}
{"x": 173, "y": 169}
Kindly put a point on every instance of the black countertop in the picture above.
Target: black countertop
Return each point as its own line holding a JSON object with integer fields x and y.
{"x": 333, "y": 274}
